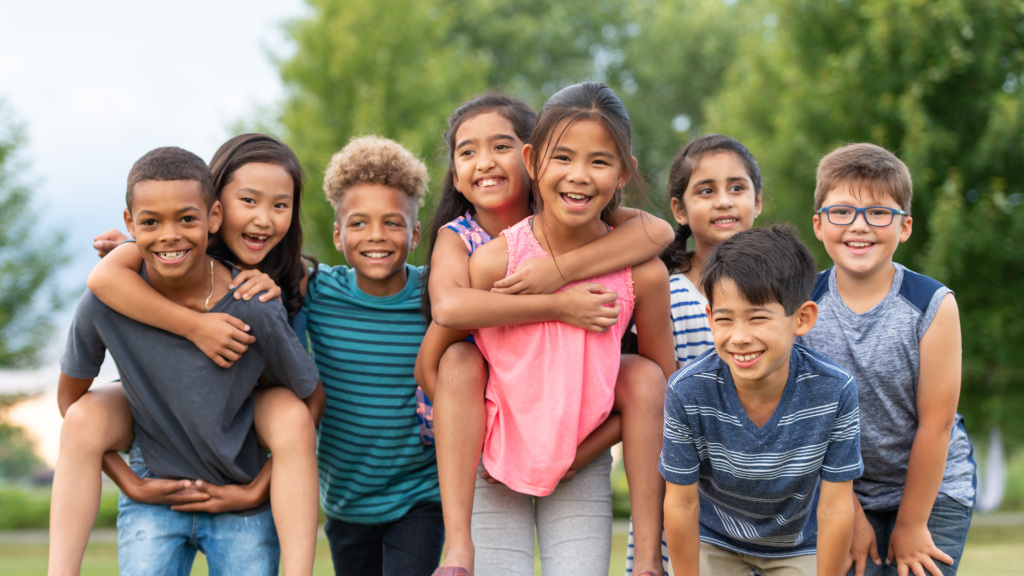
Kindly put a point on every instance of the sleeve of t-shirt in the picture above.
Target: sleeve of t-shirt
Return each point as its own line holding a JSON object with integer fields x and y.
{"x": 842, "y": 457}
{"x": 679, "y": 462}
{"x": 84, "y": 351}
{"x": 286, "y": 361}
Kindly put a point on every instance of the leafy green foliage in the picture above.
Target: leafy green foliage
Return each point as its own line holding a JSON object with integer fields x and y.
{"x": 28, "y": 258}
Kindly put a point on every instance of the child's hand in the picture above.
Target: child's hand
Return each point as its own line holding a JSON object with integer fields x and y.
{"x": 222, "y": 337}
{"x": 251, "y": 283}
{"x": 535, "y": 276}
{"x": 914, "y": 551}
{"x": 107, "y": 241}
{"x": 863, "y": 544}
{"x": 219, "y": 499}
{"x": 590, "y": 306}
{"x": 164, "y": 492}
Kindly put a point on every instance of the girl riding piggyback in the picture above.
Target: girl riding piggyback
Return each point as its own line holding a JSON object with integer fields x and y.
{"x": 550, "y": 383}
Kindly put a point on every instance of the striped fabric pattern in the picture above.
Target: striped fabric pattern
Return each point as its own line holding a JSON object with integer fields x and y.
{"x": 373, "y": 464}
{"x": 689, "y": 319}
{"x": 759, "y": 486}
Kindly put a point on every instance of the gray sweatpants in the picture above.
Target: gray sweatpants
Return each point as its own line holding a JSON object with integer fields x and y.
{"x": 573, "y": 526}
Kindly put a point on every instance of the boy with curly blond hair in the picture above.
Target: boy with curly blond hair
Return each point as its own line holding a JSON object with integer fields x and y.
{"x": 378, "y": 478}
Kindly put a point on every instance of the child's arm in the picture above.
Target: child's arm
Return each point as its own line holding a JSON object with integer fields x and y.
{"x": 435, "y": 342}
{"x": 637, "y": 237}
{"x": 938, "y": 390}
{"x": 116, "y": 282}
{"x": 682, "y": 528}
{"x": 460, "y": 302}
{"x": 835, "y": 526}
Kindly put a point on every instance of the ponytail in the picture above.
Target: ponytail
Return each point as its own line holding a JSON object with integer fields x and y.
{"x": 675, "y": 256}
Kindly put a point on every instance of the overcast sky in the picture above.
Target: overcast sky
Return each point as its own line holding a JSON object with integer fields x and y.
{"x": 97, "y": 84}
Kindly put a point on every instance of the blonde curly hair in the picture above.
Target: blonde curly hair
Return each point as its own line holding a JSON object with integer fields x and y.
{"x": 375, "y": 160}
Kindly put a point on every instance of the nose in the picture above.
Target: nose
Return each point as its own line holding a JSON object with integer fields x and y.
{"x": 863, "y": 217}
{"x": 484, "y": 160}
{"x": 723, "y": 200}
{"x": 261, "y": 216}
{"x": 169, "y": 232}
{"x": 740, "y": 335}
{"x": 578, "y": 173}
{"x": 377, "y": 232}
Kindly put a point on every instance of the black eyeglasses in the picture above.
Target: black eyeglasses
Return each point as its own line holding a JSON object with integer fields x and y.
{"x": 879, "y": 216}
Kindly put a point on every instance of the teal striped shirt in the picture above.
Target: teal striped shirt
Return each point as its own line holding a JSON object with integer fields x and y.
{"x": 373, "y": 465}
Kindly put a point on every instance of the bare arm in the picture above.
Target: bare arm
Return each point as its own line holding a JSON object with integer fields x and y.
{"x": 117, "y": 283}
{"x": 637, "y": 237}
{"x": 682, "y": 528}
{"x": 835, "y": 526}
{"x": 863, "y": 545}
{"x": 938, "y": 391}
{"x": 458, "y": 303}
{"x": 317, "y": 402}
{"x": 435, "y": 342}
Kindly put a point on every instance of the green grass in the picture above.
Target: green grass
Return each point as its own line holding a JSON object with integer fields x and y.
{"x": 993, "y": 548}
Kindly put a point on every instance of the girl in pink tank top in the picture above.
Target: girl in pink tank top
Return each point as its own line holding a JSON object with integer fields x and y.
{"x": 552, "y": 384}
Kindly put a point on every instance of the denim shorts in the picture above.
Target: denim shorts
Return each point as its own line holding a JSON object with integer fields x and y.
{"x": 948, "y": 524}
{"x": 153, "y": 539}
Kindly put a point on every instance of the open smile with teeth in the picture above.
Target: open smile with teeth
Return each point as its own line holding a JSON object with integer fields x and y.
{"x": 172, "y": 256}
{"x": 747, "y": 357}
{"x": 575, "y": 199}
{"x": 490, "y": 182}
{"x": 859, "y": 244}
{"x": 725, "y": 220}
{"x": 376, "y": 255}
{"x": 255, "y": 241}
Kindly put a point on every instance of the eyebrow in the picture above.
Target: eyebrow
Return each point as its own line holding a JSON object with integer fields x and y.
{"x": 599, "y": 153}
{"x": 364, "y": 215}
{"x": 185, "y": 210}
{"x": 468, "y": 141}
{"x": 729, "y": 179}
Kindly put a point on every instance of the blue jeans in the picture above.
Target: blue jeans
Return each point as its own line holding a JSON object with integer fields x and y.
{"x": 948, "y": 524}
{"x": 409, "y": 546}
{"x": 153, "y": 539}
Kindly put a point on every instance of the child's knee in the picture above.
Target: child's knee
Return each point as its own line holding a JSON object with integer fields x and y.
{"x": 640, "y": 382}
{"x": 286, "y": 423}
{"x": 90, "y": 426}
{"x": 462, "y": 368}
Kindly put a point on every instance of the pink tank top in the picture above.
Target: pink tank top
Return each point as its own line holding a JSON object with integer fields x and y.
{"x": 551, "y": 384}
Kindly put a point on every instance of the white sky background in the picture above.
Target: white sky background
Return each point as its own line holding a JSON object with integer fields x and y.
{"x": 97, "y": 84}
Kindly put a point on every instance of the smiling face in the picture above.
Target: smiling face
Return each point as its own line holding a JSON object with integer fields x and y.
{"x": 719, "y": 201}
{"x": 858, "y": 249}
{"x": 171, "y": 225}
{"x": 580, "y": 173}
{"x": 376, "y": 228}
{"x": 755, "y": 340}
{"x": 488, "y": 166}
{"x": 257, "y": 205}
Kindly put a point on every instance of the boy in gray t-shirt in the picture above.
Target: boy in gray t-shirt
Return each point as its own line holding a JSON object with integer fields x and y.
{"x": 192, "y": 419}
{"x": 898, "y": 332}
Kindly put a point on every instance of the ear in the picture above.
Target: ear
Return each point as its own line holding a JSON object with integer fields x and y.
{"x": 757, "y": 205}
{"x": 678, "y": 211}
{"x": 817, "y": 228}
{"x": 216, "y": 216}
{"x": 129, "y": 223}
{"x": 624, "y": 175}
{"x": 337, "y": 236}
{"x": 455, "y": 181}
{"x": 528, "y": 154}
{"x": 415, "y": 237}
{"x": 805, "y": 316}
{"x": 906, "y": 229}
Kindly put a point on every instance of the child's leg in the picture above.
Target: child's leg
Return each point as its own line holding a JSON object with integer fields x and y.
{"x": 412, "y": 544}
{"x": 503, "y": 530}
{"x": 100, "y": 421}
{"x": 356, "y": 549}
{"x": 459, "y": 421}
{"x": 640, "y": 399}
{"x": 238, "y": 545}
{"x": 719, "y": 561}
{"x": 574, "y": 523}
{"x": 285, "y": 427}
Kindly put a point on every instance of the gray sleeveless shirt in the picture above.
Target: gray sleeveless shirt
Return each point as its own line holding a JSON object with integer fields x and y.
{"x": 881, "y": 347}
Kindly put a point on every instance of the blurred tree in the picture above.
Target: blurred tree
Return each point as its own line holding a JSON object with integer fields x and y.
{"x": 18, "y": 458}
{"x": 399, "y": 68}
{"x": 28, "y": 259}
{"x": 939, "y": 84}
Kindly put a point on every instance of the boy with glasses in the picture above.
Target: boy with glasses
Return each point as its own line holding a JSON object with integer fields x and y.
{"x": 898, "y": 332}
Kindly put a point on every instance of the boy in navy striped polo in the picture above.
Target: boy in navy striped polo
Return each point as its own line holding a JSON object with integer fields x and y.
{"x": 762, "y": 441}
{"x": 378, "y": 478}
